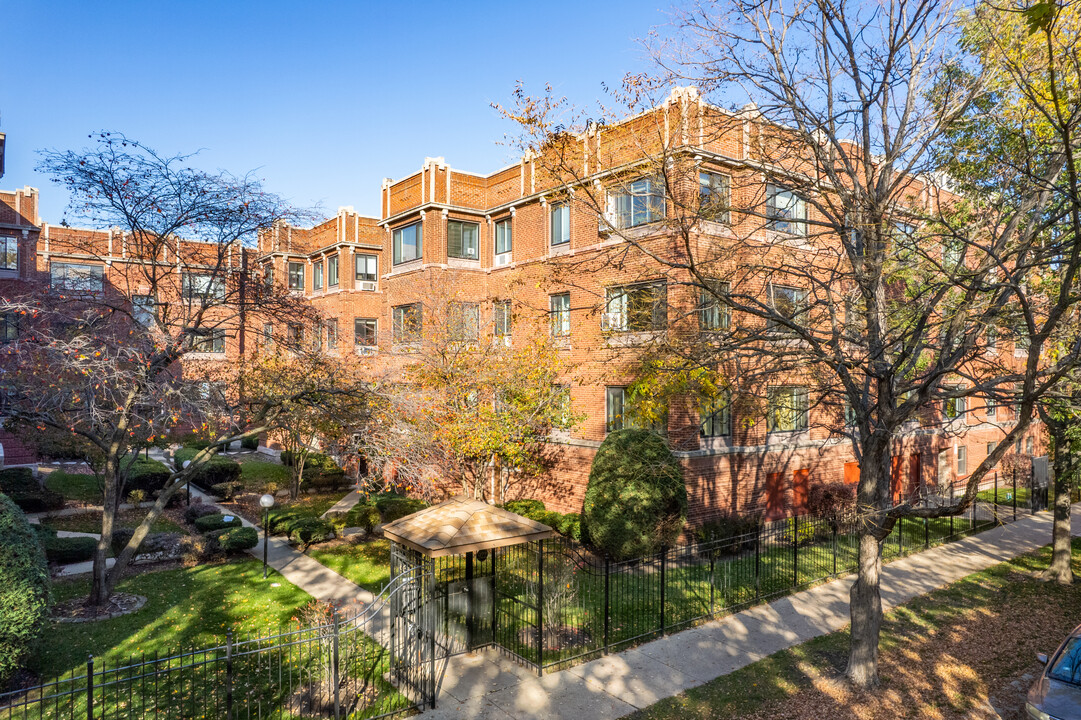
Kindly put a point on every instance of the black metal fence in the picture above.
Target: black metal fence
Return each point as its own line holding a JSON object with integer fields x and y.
{"x": 546, "y": 603}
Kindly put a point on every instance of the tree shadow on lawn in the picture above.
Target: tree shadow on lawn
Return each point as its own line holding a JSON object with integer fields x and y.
{"x": 186, "y": 608}
{"x": 942, "y": 656}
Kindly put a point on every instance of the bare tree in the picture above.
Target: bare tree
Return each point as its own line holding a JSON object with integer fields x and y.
{"x": 818, "y": 223}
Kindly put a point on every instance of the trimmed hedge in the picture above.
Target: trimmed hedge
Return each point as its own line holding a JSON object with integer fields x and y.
{"x": 309, "y": 530}
{"x": 569, "y": 525}
{"x": 365, "y": 516}
{"x": 65, "y": 550}
{"x": 237, "y": 539}
{"x": 636, "y": 500}
{"x": 23, "y": 489}
{"x": 217, "y": 470}
{"x": 217, "y": 521}
{"x": 198, "y": 510}
{"x": 250, "y": 442}
{"x": 227, "y": 490}
{"x": 25, "y": 596}
{"x": 149, "y": 476}
{"x": 393, "y": 507}
{"x": 525, "y": 508}
{"x": 320, "y": 470}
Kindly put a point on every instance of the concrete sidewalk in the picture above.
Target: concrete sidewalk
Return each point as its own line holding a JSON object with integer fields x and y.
{"x": 487, "y": 686}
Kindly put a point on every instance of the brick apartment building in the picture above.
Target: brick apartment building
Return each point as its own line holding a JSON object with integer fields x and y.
{"x": 501, "y": 244}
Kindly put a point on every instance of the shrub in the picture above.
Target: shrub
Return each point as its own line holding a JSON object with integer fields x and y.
{"x": 233, "y": 540}
{"x": 282, "y": 520}
{"x": 550, "y": 518}
{"x": 147, "y": 475}
{"x": 524, "y": 507}
{"x": 217, "y": 521}
{"x": 198, "y": 549}
{"x": 571, "y": 526}
{"x": 20, "y": 485}
{"x": 227, "y": 490}
{"x": 309, "y": 530}
{"x": 136, "y": 498}
{"x": 320, "y": 470}
{"x": 250, "y": 442}
{"x": 832, "y": 501}
{"x": 66, "y": 550}
{"x": 217, "y": 470}
{"x": 194, "y": 441}
{"x": 393, "y": 507}
{"x": 24, "y": 588}
{"x": 53, "y": 444}
{"x": 636, "y": 501}
{"x": 199, "y": 510}
{"x": 152, "y": 543}
{"x": 729, "y": 527}
{"x": 365, "y": 516}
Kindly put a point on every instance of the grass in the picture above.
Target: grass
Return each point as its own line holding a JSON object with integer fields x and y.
{"x": 943, "y": 655}
{"x": 366, "y": 563}
{"x": 73, "y": 486}
{"x": 185, "y": 607}
{"x": 90, "y": 522}
{"x": 255, "y": 473}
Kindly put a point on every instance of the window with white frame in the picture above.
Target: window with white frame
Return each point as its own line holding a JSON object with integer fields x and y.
{"x": 295, "y": 336}
{"x": 786, "y": 210}
{"x": 408, "y": 243}
{"x": 990, "y": 406}
{"x": 364, "y": 332}
{"x": 1029, "y": 445}
{"x": 268, "y": 336}
{"x": 332, "y": 271}
{"x": 788, "y": 408}
{"x": 504, "y": 240}
{"x": 636, "y": 308}
{"x": 406, "y": 323}
{"x": 501, "y": 319}
{"x": 9, "y": 253}
{"x": 962, "y": 460}
{"x": 714, "y": 196}
{"x": 559, "y": 312}
{"x": 213, "y": 342}
{"x": 367, "y": 267}
{"x": 144, "y": 310}
{"x": 317, "y": 276}
{"x": 991, "y": 447}
{"x": 560, "y": 224}
{"x": 463, "y": 240}
{"x": 713, "y": 314}
{"x": 618, "y": 416}
{"x": 790, "y": 306}
{"x": 636, "y": 203}
{"x": 953, "y": 407}
{"x": 296, "y": 275}
{"x": 332, "y": 334}
{"x": 463, "y": 321}
{"x": 202, "y": 287}
{"x": 716, "y": 415}
{"x": 75, "y": 278}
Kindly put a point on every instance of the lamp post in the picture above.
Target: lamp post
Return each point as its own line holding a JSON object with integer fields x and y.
{"x": 187, "y": 483}
{"x": 267, "y": 501}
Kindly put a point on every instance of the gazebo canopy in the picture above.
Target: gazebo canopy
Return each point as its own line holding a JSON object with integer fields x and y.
{"x": 461, "y": 525}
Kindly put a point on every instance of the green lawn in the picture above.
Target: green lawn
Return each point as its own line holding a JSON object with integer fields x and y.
{"x": 936, "y": 660}
{"x": 90, "y": 522}
{"x": 185, "y": 607}
{"x": 256, "y": 472}
{"x": 81, "y": 488}
{"x": 366, "y": 563}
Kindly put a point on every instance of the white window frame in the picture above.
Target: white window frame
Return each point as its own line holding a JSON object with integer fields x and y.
{"x": 639, "y": 202}
{"x": 787, "y": 217}
{"x": 799, "y": 406}
{"x": 715, "y": 196}
{"x": 563, "y": 225}
{"x": 398, "y": 249}
{"x": 91, "y": 282}
{"x": 295, "y": 277}
{"x": 559, "y": 317}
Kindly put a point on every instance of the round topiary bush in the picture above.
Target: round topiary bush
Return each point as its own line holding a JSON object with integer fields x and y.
{"x": 24, "y": 588}
{"x": 636, "y": 501}
{"x": 234, "y": 540}
{"x": 217, "y": 521}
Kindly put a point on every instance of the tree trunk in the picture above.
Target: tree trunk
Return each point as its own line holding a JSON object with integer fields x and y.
{"x": 100, "y": 588}
{"x": 298, "y": 475}
{"x": 1061, "y": 570}
{"x": 865, "y": 607}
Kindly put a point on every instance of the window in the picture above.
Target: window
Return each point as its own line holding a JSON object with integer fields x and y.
{"x": 785, "y": 211}
{"x": 463, "y": 321}
{"x": 953, "y": 407}
{"x": 1029, "y": 445}
{"x": 713, "y": 315}
{"x": 364, "y": 332}
{"x": 77, "y": 278}
{"x": 790, "y": 304}
{"x": 952, "y": 251}
{"x": 991, "y": 447}
{"x": 332, "y": 334}
{"x": 317, "y": 276}
{"x": 462, "y": 240}
{"x": 296, "y": 276}
{"x": 144, "y": 310}
{"x": 562, "y": 403}
{"x": 560, "y": 314}
{"x": 615, "y": 407}
{"x": 9, "y": 253}
{"x": 788, "y": 409}
{"x": 716, "y": 415}
{"x": 943, "y": 467}
{"x": 9, "y": 327}
{"x": 991, "y": 335}
{"x": 962, "y": 460}
{"x": 367, "y": 268}
{"x": 1067, "y": 666}
{"x": 990, "y": 405}
{"x": 268, "y": 276}
{"x": 214, "y": 342}
{"x": 636, "y": 308}
{"x": 850, "y": 413}
{"x": 561, "y": 224}
{"x": 406, "y": 323}
{"x": 268, "y": 336}
{"x": 332, "y": 271}
{"x": 638, "y": 203}
{"x": 317, "y": 340}
{"x": 296, "y": 335}
{"x": 202, "y": 287}
{"x": 503, "y": 237}
{"x": 714, "y": 196}
{"x": 501, "y": 319}
{"x": 408, "y": 243}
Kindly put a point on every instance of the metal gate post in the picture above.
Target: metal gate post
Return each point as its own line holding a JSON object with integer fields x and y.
{"x": 495, "y": 598}
{"x": 433, "y": 620}
{"x": 795, "y": 551}
{"x": 834, "y": 524}
{"x": 995, "y": 505}
{"x": 757, "y": 561}
{"x": 229, "y": 675}
{"x": 89, "y": 687}
{"x": 712, "y": 583}
{"x": 926, "y": 534}
{"x": 470, "y": 617}
{"x": 607, "y": 599}
{"x": 334, "y": 671}
{"x": 540, "y": 607}
{"x": 664, "y": 567}
{"x": 1013, "y": 477}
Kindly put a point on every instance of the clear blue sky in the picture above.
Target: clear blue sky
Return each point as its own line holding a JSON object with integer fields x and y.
{"x": 322, "y": 99}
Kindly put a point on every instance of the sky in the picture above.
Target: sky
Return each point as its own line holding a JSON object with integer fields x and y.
{"x": 321, "y": 99}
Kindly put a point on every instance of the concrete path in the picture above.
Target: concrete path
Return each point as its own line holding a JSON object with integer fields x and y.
{"x": 79, "y": 568}
{"x": 346, "y": 504}
{"x": 487, "y": 686}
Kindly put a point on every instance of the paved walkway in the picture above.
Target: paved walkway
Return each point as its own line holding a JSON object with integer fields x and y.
{"x": 486, "y": 686}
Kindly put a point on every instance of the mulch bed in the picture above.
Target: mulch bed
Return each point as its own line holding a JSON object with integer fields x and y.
{"x": 77, "y": 610}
